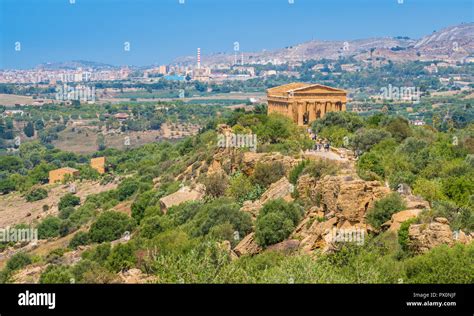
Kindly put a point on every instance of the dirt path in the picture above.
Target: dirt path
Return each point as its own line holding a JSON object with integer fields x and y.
{"x": 325, "y": 154}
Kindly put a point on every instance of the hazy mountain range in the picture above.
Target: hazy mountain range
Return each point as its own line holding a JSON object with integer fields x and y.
{"x": 454, "y": 43}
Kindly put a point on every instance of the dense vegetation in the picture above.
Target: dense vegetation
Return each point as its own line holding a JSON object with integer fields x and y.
{"x": 188, "y": 243}
{"x": 437, "y": 165}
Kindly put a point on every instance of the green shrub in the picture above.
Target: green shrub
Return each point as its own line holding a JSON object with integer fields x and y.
{"x": 79, "y": 239}
{"x": 370, "y": 167}
{"x": 320, "y": 168}
{"x": 384, "y": 208}
{"x": 173, "y": 241}
{"x": 218, "y": 212}
{"x": 268, "y": 173}
{"x": 49, "y": 227}
{"x": 127, "y": 188}
{"x": 150, "y": 226}
{"x": 55, "y": 255}
{"x": 98, "y": 254}
{"x": 399, "y": 177}
{"x": 66, "y": 227}
{"x": 87, "y": 271}
{"x": 140, "y": 204}
{"x": 184, "y": 212}
{"x": 121, "y": 257}
{"x": 458, "y": 217}
{"x": 335, "y": 135}
{"x": 216, "y": 184}
{"x": 36, "y": 195}
{"x": 297, "y": 171}
{"x": 66, "y": 212}
{"x": 431, "y": 190}
{"x": 239, "y": 186}
{"x": 224, "y": 231}
{"x": 403, "y": 234}
{"x": 242, "y": 189}
{"x": 110, "y": 226}
{"x": 275, "y": 222}
{"x": 399, "y": 128}
{"x": 68, "y": 200}
{"x": 442, "y": 265}
{"x": 365, "y": 139}
{"x": 56, "y": 274}
{"x": 347, "y": 120}
{"x": 18, "y": 261}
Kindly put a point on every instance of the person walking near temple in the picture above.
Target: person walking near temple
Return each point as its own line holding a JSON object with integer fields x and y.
{"x": 327, "y": 145}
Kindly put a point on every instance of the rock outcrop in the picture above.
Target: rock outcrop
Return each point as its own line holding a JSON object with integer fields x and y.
{"x": 247, "y": 246}
{"x": 286, "y": 246}
{"x": 227, "y": 247}
{"x": 342, "y": 196}
{"x": 280, "y": 189}
{"x": 184, "y": 194}
{"x": 30, "y": 274}
{"x": 231, "y": 159}
{"x": 250, "y": 160}
{"x": 398, "y": 218}
{"x": 423, "y": 237}
{"x": 341, "y": 205}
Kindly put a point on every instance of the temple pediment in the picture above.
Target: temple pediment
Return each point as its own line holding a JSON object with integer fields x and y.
{"x": 300, "y": 88}
{"x": 305, "y": 102}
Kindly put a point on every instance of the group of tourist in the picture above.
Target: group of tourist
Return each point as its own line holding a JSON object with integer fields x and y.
{"x": 319, "y": 143}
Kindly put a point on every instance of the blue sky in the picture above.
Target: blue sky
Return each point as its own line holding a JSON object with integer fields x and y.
{"x": 159, "y": 30}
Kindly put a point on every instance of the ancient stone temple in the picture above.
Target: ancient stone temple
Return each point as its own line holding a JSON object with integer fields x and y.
{"x": 305, "y": 102}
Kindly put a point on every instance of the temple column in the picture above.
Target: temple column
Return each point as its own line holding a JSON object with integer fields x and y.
{"x": 330, "y": 107}
{"x": 290, "y": 111}
{"x": 300, "y": 107}
{"x": 312, "y": 111}
{"x": 344, "y": 107}
{"x": 319, "y": 111}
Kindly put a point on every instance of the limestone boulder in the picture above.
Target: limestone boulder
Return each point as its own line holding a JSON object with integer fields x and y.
{"x": 341, "y": 203}
{"x": 415, "y": 202}
{"x": 281, "y": 189}
{"x": 400, "y": 217}
{"x": 250, "y": 160}
{"x": 286, "y": 246}
{"x": 343, "y": 196}
{"x": 215, "y": 167}
{"x": 227, "y": 247}
{"x": 247, "y": 246}
{"x": 252, "y": 207}
{"x": 184, "y": 194}
{"x": 462, "y": 237}
{"x": 423, "y": 237}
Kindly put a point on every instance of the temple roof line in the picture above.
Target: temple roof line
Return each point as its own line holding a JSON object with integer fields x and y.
{"x": 300, "y": 87}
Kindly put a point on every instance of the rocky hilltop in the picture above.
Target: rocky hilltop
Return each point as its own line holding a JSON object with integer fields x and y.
{"x": 453, "y": 43}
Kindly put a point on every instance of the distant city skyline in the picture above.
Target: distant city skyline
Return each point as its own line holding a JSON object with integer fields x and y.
{"x": 156, "y": 32}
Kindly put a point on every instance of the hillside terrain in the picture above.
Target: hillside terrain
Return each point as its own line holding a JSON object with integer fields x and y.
{"x": 393, "y": 204}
